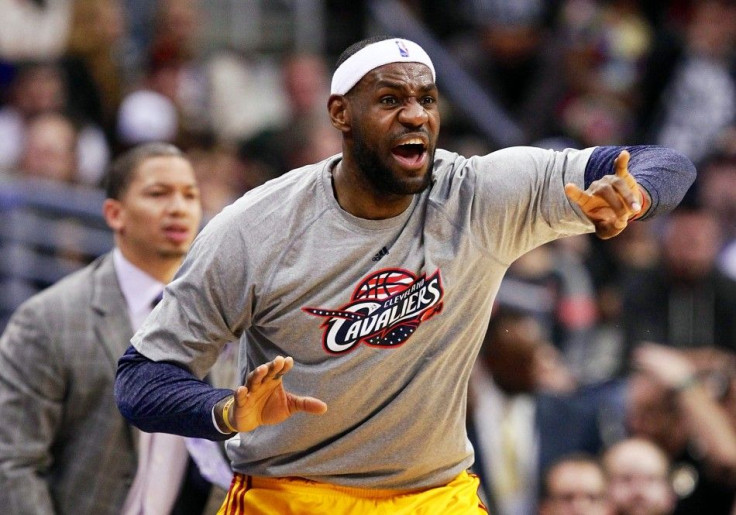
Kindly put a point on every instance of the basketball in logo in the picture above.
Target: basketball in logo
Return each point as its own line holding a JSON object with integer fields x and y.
{"x": 384, "y": 284}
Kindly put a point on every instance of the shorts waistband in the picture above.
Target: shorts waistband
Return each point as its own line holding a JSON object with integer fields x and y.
{"x": 290, "y": 482}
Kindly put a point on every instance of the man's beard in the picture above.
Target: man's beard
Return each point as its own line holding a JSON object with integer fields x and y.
{"x": 380, "y": 175}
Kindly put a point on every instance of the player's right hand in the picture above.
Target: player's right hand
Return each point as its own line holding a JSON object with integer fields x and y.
{"x": 611, "y": 201}
{"x": 263, "y": 400}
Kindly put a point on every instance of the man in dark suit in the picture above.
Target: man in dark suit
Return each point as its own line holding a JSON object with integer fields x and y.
{"x": 524, "y": 414}
{"x": 64, "y": 447}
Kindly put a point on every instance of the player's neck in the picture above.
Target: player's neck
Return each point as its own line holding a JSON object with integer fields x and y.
{"x": 359, "y": 198}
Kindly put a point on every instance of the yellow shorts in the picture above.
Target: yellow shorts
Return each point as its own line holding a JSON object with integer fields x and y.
{"x": 250, "y": 495}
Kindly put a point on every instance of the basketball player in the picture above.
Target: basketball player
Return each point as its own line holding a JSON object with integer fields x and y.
{"x": 365, "y": 283}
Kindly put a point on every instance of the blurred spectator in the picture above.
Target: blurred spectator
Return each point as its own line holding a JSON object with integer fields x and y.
{"x": 34, "y": 29}
{"x": 176, "y": 29}
{"x": 575, "y": 485}
{"x": 552, "y": 283}
{"x": 146, "y": 116}
{"x": 522, "y": 413}
{"x": 184, "y": 90}
{"x": 245, "y": 94}
{"x": 607, "y": 46}
{"x": 591, "y": 119}
{"x": 610, "y": 263}
{"x": 94, "y": 52}
{"x": 177, "y": 66}
{"x": 305, "y": 135}
{"x": 508, "y": 38}
{"x": 50, "y": 148}
{"x": 48, "y": 230}
{"x": 38, "y": 88}
{"x": 310, "y": 140}
{"x": 716, "y": 189}
{"x": 685, "y": 301}
{"x": 221, "y": 176}
{"x": 716, "y": 369}
{"x": 139, "y": 15}
{"x": 509, "y": 48}
{"x": 306, "y": 83}
{"x": 166, "y": 103}
{"x": 699, "y": 98}
{"x": 638, "y": 474}
{"x": 670, "y": 404}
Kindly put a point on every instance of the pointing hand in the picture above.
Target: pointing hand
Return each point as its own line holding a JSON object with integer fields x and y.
{"x": 611, "y": 201}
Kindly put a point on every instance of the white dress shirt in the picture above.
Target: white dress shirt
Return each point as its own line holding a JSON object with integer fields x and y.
{"x": 492, "y": 406}
{"x": 162, "y": 458}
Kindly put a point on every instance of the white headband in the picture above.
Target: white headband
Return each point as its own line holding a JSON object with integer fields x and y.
{"x": 374, "y": 55}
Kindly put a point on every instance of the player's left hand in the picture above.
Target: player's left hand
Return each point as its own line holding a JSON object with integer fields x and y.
{"x": 611, "y": 201}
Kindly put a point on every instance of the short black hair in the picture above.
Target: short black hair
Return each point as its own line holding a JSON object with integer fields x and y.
{"x": 122, "y": 170}
{"x": 360, "y": 45}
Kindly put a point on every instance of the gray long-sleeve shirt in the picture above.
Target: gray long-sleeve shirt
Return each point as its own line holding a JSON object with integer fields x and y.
{"x": 384, "y": 318}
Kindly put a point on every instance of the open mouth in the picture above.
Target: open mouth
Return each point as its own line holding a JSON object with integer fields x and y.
{"x": 411, "y": 153}
{"x": 176, "y": 233}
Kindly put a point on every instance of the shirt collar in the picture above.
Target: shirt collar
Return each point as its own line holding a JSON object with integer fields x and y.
{"x": 139, "y": 288}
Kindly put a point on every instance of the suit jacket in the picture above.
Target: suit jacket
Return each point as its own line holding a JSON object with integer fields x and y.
{"x": 64, "y": 447}
{"x": 564, "y": 424}
{"x": 567, "y": 425}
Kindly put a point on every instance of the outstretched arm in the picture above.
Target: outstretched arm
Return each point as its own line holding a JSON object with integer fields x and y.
{"x": 166, "y": 398}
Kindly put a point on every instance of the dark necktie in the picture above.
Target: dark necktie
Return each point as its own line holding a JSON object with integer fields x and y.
{"x": 157, "y": 299}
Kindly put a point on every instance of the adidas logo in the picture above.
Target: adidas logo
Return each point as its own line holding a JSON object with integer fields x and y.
{"x": 380, "y": 254}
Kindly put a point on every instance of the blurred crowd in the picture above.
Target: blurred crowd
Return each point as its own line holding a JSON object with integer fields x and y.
{"x": 615, "y": 358}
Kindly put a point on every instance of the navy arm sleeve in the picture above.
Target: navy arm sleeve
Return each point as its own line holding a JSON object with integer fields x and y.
{"x": 160, "y": 397}
{"x": 665, "y": 173}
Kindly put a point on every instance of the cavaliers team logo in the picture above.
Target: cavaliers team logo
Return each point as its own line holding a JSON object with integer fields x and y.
{"x": 385, "y": 310}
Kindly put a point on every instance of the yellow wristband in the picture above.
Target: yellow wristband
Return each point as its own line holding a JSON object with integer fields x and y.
{"x": 226, "y": 414}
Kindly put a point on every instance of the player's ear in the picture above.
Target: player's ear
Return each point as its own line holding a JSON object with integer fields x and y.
{"x": 337, "y": 107}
